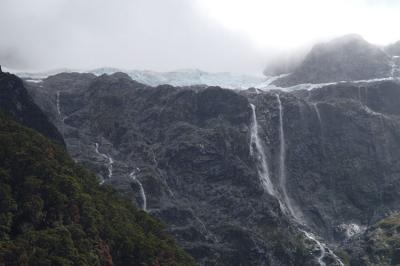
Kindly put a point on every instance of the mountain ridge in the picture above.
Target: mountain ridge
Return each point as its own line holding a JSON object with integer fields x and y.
{"x": 190, "y": 147}
{"x": 53, "y": 211}
{"x": 17, "y": 103}
{"x": 347, "y": 58}
{"x": 184, "y": 77}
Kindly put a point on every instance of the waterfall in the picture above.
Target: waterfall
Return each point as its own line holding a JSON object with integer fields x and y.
{"x": 394, "y": 67}
{"x": 108, "y": 158}
{"x": 262, "y": 166}
{"x": 320, "y": 247}
{"x": 58, "y": 104}
{"x": 282, "y": 160}
{"x": 315, "y": 106}
{"x": 133, "y": 177}
{"x": 110, "y": 167}
{"x": 287, "y": 200}
{"x": 323, "y": 249}
{"x": 60, "y": 116}
{"x": 396, "y": 70}
{"x": 285, "y": 204}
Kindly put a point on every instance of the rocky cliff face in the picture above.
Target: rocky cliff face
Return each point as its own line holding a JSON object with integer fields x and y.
{"x": 349, "y": 58}
{"x": 54, "y": 212}
{"x": 17, "y": 103}
{"x": 183, "y": 155}
{"x": 189, "y": 156}
{"x": 341, "y": 150}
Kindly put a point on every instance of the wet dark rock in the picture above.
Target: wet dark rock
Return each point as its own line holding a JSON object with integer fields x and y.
{"x": 341, "y": 162}
{"x": 189, "y": 148}
{"x": 18, "y": 104}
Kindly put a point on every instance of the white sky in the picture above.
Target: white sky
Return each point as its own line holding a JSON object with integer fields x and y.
{"x": 213, "y": 35}
{"x": 294, "y": 23}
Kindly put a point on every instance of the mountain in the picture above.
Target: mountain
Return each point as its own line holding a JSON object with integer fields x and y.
{"x": 16, "y": 102}
{"x": 189, "y": 77}
{"x": 239, "y": 177}
{"x": 348, "y": 58}
{"x": 171, "y": 149}
{"x": 393, "y": 49}
{"x": 53, "y": 211}
{"x": 283, "y": 64}
{"x": 185, "y": 77}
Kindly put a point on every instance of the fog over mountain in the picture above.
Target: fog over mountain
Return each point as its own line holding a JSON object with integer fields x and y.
{"x": 233, "y": 36}
{"x": 155, "y": 35}
{"x": 202, "y": 132}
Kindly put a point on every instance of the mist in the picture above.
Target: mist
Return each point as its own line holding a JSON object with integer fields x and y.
{"x": 164, "y": 35}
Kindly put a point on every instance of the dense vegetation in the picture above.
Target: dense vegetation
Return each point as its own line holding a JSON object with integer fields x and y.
{"x": 53, "y": 212}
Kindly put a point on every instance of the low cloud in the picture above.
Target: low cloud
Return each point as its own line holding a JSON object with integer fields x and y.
{"x": 213, "y": 35}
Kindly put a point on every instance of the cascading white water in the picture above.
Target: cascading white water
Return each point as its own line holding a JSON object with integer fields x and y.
{"x": 255, "y": 142}
{"x": 364, "y": 104}
{"x": 58, "y": 104}
{"x": 110, "y": 167}
{"x": 320, "y": 259}
{"x": 396, "y": 70}
{"x": 315, "y": 106}
{"x": 108, "y": 158}
{"x": 282, "y": 182}
{"x": 282, "y": 166}
{"x": 133, "y": 177}
{"x": 286, "y": 205}
{"x": 394, "y": 67}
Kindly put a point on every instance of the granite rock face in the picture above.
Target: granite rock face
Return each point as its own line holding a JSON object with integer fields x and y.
{"x": 342, "y": 150}
{"x": 54, "y": 212}
{"x": 348, "y": 58}
{"x": 18, "y": 104}
{"x": 184, "y": 155}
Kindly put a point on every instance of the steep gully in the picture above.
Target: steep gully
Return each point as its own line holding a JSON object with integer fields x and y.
{"x": 281, "y": 194}
{"x": 62, "y": 118}
{"x": 108, "y": 158}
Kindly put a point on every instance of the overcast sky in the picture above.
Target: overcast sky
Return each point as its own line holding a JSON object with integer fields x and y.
{"x": 213, "y": 35}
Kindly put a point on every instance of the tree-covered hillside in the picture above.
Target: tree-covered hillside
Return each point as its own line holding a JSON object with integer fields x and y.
{"x": 53, "y": 212}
